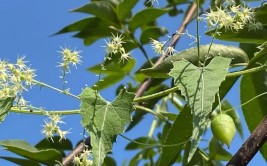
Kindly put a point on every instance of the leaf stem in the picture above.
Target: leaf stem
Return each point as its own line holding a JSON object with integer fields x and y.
{"x": 21, "y": 110}
{"x": 56, "y": 89}
{"x": 198, "y": 44}
{"x": 155, "y": 95}
{"x": 142, "y": 49}
{"x": 247, "y": 71}
{"x": 151, "y": 112}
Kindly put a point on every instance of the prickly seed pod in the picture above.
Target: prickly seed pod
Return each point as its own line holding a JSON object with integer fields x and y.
{"x": 223, "y": 128}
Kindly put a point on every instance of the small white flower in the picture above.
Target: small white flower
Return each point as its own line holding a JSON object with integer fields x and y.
{"x": 157, "y": 46}
{"x": 125, "y": 56}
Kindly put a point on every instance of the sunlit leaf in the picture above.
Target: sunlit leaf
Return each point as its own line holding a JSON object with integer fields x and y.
{"x": 24, "y": 149}
{"x": 145, "y": 16}
{"x": 104, "y": 120}
{"x": 101, "y": 9}
{"x": 125, "y": 7}
{"x": 237, "y": 55}
{"x": 199, "y": 86}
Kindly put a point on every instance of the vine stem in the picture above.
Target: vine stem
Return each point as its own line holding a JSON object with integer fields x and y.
{"x": 173, "y": 89}
{"x": 152, "y": 112}
{"x": 41, "y": 112}
{"x": 42, "y": 84}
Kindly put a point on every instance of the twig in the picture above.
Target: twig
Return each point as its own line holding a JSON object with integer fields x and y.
{"x": 143, "y": 87}
{"x": 252, "y": 145}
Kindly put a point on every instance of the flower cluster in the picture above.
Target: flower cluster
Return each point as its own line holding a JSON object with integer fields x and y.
{"x": 51, "y": 127}
{"x": 14, "y": 78}
{"x": 69, "y": 57}
{"x": 84, "y": 159}
{"x": 159, "y": 47}
{"x": 114, "y": 47}
{"x": 232, "y": 17}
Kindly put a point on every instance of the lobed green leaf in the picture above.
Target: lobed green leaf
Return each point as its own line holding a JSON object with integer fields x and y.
{"x": 199, "y": 86}
{"x": 104, "y": 120}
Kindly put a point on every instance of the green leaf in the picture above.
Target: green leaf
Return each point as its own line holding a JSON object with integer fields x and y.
{"x": 104, "y": 120}
{"x": 179, "y": 133}
{"x": 145, "y": 16}
{"x": 114, "y": 72}
{"x": 84, "y": 24}
{"x": 19, "y": 161}
{"x": 101, "y": 9}
{"x": 124, "y": 8}
{"x": 152, "y": 33}
{"x": 199, "y": 86}
{"x": 217, "y": 152}
{"x": 5, "y": 105}
{"x": 237, "y": 55}
{"x": 90, "y": 29}
{"x": 109, "y": 161}
{"x": 22, "y": 148}
{"x": 252, "y": 85}
{"x": 60, "y": 145}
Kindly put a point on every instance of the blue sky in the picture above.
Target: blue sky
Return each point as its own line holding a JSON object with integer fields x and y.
{"x": 26, "y": 29}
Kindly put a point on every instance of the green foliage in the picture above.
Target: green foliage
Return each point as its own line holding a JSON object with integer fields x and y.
{"x": 253, "y": 85}
{"x": 178, "y": 135}
{"x": 145, "y": 16}
{"x": 199, "y": 86}
{"x": 206, "y": 52}
{"x": 5, "y": 105}
{"x": 104, "y": 120}
{"x": 114, "y": 72}
{"x": 24, "y": 149}
{"x": 198, "y": 75}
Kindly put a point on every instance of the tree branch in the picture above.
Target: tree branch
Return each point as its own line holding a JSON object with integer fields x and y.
{"x": 252, "y": 145}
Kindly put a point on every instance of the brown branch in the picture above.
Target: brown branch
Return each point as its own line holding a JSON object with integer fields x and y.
{"x": 67, "y": 161}
{"x": 252, "y": 145}
{"x": 143, "y": 87}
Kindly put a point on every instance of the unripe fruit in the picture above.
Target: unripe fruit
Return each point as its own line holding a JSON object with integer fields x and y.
{"x": 223, "y": 128}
